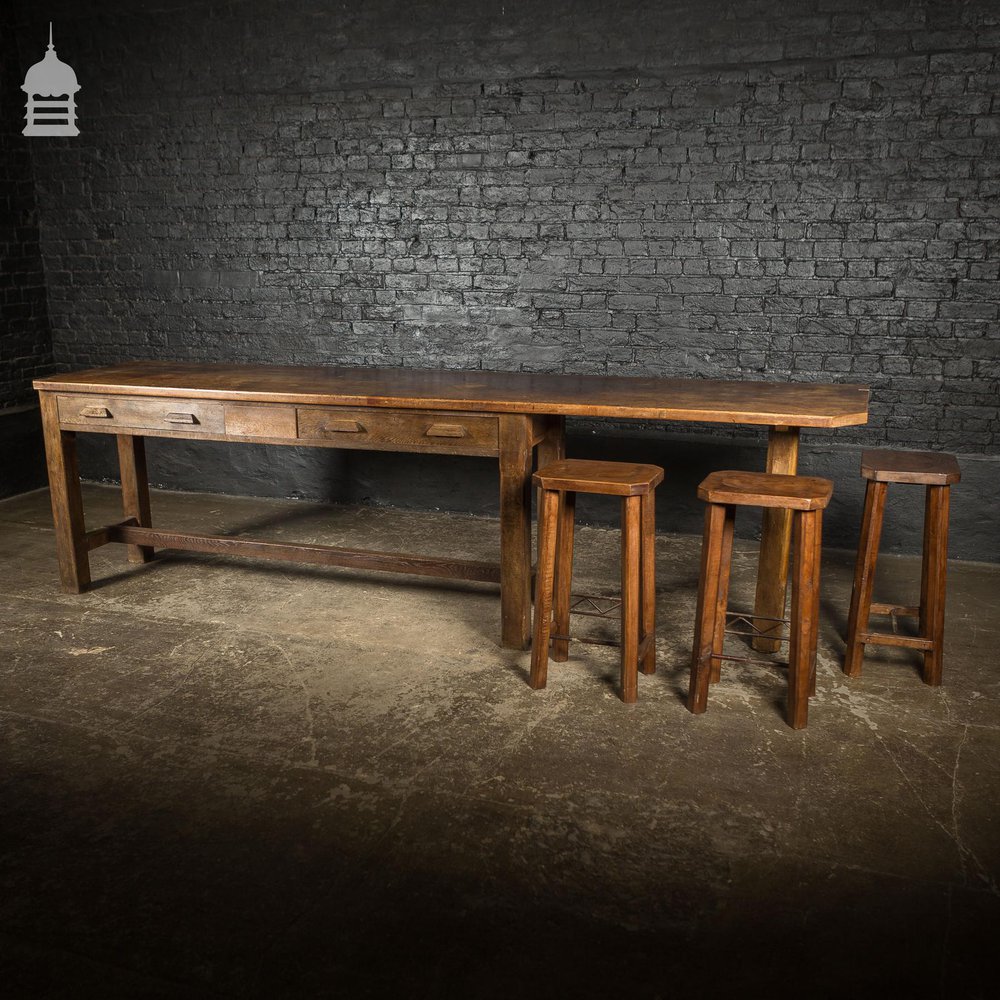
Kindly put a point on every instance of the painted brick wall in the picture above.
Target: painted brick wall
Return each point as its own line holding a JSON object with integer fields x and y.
{"x": 25, "y": 339}
{"x": 789, "y": 189}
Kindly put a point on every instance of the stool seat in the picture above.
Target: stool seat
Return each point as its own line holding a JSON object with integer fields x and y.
{"x": 620, "y": 479}
{"x": 921, "y": 468}
{"x": 765, "y": 489}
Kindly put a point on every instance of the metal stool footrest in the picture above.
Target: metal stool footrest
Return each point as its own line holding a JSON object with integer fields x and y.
{"x": 587, "y": 639}
{"x": 594, "y": 606}
{"x": 644, "y": 645}
{"x": 752, "y": 659}
{"x": 753, "y": 630}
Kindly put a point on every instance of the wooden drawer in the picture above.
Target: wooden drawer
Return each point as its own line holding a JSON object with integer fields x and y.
{"x": 123, "y": 414}
{"x": 399, "y": 430}
{"x": 267, "y": 422}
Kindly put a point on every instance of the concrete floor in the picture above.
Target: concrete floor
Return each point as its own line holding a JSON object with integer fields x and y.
{"x": 232, "y": 779}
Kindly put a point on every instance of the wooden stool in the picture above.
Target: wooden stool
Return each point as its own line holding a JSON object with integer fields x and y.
{"x": 806, "y": 497}
{"x": 559, "y": 483}
{"x": 937, "y": 473}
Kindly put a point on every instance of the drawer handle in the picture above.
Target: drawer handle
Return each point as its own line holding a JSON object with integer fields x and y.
{"x": 343, "y": 427}
{"x": 445, "y": 431}
{"x": 181, "y": 418}
{"x": 95, "y": 411}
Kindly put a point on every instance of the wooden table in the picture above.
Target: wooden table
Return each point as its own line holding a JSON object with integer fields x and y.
{"x": 504, "y": 415}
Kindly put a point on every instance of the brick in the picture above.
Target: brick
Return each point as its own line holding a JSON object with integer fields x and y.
{"x": 838, "y": 213}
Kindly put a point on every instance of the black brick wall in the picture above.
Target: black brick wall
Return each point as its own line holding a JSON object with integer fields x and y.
{"x": 25, "y": 339}
{"x": 791, "y": 189}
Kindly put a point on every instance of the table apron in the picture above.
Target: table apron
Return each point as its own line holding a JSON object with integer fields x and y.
{"x": 427, "y": 431}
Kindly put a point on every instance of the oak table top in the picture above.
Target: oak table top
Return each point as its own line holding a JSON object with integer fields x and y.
{"x": 794, "y": 404}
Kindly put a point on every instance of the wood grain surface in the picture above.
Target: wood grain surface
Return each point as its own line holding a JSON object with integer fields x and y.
{"x": 743, "y": 402}
{"x": 764, "y": 489}
{"x": 920, "y": 468}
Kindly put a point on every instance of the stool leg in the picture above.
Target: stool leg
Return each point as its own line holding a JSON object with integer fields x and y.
{"x": 647, "y": 564}
{"x": 933, "y": 576}
{"x": 544, "y": 578}
{"x": 630, "y": 599}
{"x": 708, "y": 595}
{"x": 864, "y": 576}
{"x": 722, "y": 601}
{"x": 564, "y": 574}
{"x": 805, "y": 603}
{"x": 814, "y": 637}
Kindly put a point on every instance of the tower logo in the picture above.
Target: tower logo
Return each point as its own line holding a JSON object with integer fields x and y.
{"x": 51, "y": 87}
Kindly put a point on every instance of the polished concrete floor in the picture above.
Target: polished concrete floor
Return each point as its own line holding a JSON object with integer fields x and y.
{"x": 234, "y": 779}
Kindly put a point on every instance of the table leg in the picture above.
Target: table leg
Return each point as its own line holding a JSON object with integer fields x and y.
{"x": 135, "y": 490}
{"x": 67, "y": 501}
{"x": 775, "y": 541}
{"x": 552, "y": 447}
{"x": 515, "y": 530}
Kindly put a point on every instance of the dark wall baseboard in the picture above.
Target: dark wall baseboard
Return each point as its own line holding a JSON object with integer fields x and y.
{"x": 22, "y": 452}
{"x": 470, "y": 484}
